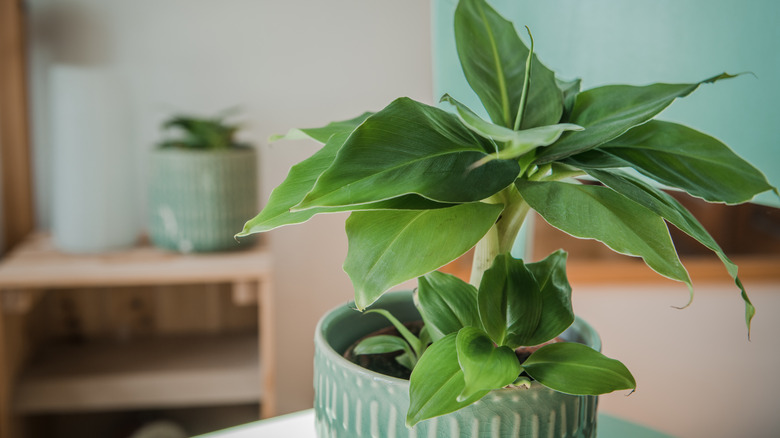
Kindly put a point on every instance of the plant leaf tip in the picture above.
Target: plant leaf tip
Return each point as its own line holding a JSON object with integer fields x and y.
{"x": 690, "y": 299}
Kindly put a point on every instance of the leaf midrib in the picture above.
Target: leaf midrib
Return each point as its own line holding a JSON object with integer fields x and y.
{"x": 441, "y": 388}
{"x": 392, "y": 242}
{"x": 578, "y": 365}
{"x": 497, "y": 64}
{"x": 642, "y": 147}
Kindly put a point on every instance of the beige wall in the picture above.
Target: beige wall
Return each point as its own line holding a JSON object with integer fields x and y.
{"x": 697, "y": 374}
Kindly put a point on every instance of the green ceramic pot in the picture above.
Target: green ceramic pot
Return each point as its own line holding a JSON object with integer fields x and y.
{"x": 199, "y": 199}
{"x": 352, "y": 401}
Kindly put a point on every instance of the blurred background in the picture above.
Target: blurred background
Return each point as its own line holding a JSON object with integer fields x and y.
{"x": 127, "y": 67}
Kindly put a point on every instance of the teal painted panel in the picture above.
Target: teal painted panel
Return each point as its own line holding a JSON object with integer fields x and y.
{"x": 640, "y": 42}
{"x": 610, "y": 426}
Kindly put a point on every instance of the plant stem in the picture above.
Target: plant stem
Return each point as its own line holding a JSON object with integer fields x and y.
{"x": 501, "y": 237}
{"x": 484, "y": 254}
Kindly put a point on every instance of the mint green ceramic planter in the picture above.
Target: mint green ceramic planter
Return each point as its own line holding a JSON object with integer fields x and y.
{"x": 198, "y": 200}
{"x": 352, "y": 401}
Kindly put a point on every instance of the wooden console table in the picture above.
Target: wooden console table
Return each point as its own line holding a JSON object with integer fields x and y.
{"x": 181, "y": 371}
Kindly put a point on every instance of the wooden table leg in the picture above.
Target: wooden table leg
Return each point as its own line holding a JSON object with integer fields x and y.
{"x": 5, "y": 377}
{"x": 266, "y": 325}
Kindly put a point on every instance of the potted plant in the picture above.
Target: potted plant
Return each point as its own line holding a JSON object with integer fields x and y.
{"x": 507, "y": 357}
{"x": 203, "y": 185}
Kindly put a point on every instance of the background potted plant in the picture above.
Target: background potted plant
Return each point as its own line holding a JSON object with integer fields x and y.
{"x": 425, "y": 185}
{"x": 203, "y": 185}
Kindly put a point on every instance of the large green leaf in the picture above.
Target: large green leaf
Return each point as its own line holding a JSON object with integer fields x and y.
{"x": 510, "y": 302}
{"x": 594, "y": 212}
{"x": 436, "y": 382}
{"x": 447, "y": 303}
{"x": 609, "y": 111}
{"x": 389, "y": 247}
{"x": 300, "y": 181}
{"x": 291, "y": 191}
{"x": 685, "y": 158}
{"x": 671, "y": 210}
{"x": 485, "y": 366}
{"x": 557, "y": 314}
{"x": 574, "y": 368}
{"x": 410, "y": 148}
{"x": 493, "y": 57}
{"x": 323, "y": 134}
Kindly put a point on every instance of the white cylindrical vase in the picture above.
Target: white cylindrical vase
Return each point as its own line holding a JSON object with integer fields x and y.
{"x": 93, "y": 167}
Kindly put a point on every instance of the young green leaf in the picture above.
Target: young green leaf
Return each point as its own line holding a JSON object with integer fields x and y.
{"x": 406, "y": 148}
{"x": 387, "y": 248}
{"x": 324, "y": 133}
{"x": 407, "y": 335}
{"x": 577, "y": 369}
{"x": 681, "y": 157}
{"x": 425, "y": 336}
{"x": 436, "y": 382}
{"x": 493, "y": 57}
{"x": 528, "y": 140}
{"x": 593, "y": 212}
{"x": 447, "y": 303}
{"x": 557, "y": 314}
{"x": 510, "y": 302}
{"x": 674, "y": 213}
{"x": 609, "y": 111}
{"x": 516, "y": 142}
{"x": 407, "y": 359}
{"x": 485, "y": 366}
{"x": 570, "y": 90}
{"x": 480, "y": 126}
{"x": 381, "y": 344}
{"x": 526, "y": 79}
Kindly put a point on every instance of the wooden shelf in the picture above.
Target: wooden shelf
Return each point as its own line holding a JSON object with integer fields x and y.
{"x": 152, "y": 373}
{"x": 752, "y": 269}
{"x": 156, "y": 371}
{"x": 36, "y": 264}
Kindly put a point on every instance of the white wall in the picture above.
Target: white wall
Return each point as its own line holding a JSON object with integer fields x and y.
{"x": 292, "y": 63}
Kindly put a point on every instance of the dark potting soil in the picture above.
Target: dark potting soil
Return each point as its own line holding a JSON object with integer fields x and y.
{"x": 384, "y": 363}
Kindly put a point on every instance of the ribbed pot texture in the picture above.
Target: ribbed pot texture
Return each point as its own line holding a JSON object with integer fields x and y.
{"x": 352, "y": 401}
{"x": 198, "y": 200}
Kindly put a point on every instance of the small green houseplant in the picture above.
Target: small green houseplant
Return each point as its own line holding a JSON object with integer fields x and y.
{"x": 201, "y": 133}
{"x": 203, "y": 184}
{"x": 425, "y": 185}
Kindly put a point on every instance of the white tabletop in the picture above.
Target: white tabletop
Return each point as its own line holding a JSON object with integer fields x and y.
{"x": 301, "y": 425}
{"x": 295, "y": 425}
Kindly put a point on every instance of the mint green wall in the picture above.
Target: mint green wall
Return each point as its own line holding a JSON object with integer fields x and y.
{"x": 639, "y": 42}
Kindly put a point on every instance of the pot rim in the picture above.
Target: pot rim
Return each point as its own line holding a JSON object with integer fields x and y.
{"x": 588, "y": 334}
